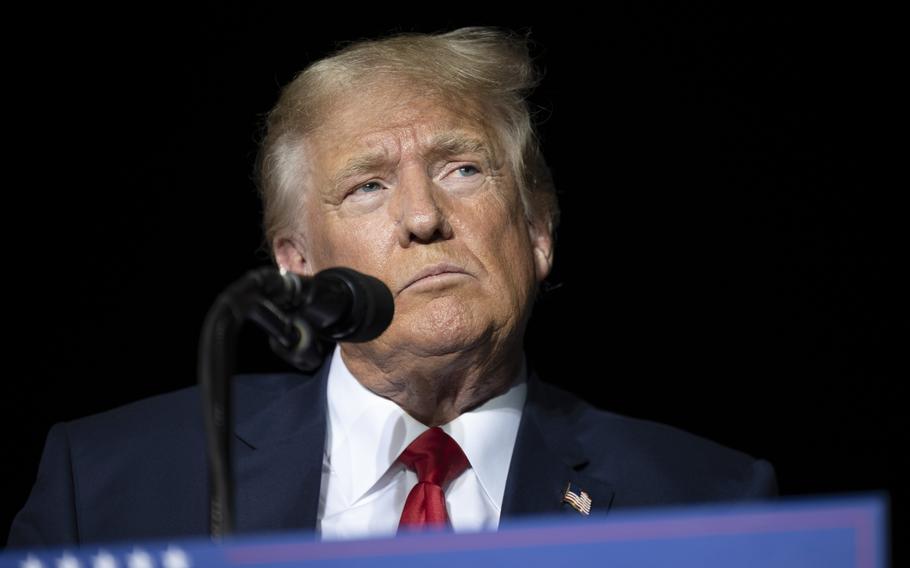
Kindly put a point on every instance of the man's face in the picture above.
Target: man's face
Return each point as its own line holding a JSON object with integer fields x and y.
{"x": 418, "y": 195}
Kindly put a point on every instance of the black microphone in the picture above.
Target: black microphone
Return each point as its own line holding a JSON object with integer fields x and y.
{"x": 340, "y": 304}
{"x": 301, "y": 314}
{"x": 337, "y": 304}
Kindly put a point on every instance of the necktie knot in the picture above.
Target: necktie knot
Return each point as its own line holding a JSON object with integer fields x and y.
{"x": 437, "y": 459}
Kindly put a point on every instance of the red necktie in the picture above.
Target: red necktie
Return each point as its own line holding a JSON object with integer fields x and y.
{"x": 437, "y": 459}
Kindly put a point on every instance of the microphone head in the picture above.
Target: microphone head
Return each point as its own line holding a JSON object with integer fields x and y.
{"x": 371, "y": 310}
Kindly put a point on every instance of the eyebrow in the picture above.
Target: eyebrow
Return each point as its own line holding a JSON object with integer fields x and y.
{"x": 359, "y": 165}
{"x": 451, "y": 143}
{"x": 440, "y": 146}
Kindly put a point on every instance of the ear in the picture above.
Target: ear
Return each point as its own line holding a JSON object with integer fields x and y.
{"x": 542, "y": 247}
{"x": 290, "y": 255}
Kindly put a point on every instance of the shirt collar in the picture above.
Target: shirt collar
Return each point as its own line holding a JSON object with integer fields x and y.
{"x": 367, "y": 432}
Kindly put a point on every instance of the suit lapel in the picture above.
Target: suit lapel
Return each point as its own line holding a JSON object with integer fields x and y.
{"x": 548, "y": 456}
{"x": 281, "y": 430}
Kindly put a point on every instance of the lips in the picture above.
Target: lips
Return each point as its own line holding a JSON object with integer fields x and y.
{"x": 434, "y": 270}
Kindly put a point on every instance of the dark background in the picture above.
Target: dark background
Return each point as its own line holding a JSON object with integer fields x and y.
{"x": 725, "y": 264}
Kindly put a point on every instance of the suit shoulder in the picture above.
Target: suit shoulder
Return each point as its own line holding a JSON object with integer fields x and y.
{"x": 173, "y": 411}
{"x": 642, "y": 434}
{"x": 171, "y": 416}
{"x": 651, "y": 460}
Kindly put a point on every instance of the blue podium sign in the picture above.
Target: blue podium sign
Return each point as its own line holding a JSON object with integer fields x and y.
{"x": 832, "y": 533}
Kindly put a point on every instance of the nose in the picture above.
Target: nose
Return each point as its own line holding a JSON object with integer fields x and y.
{"x": 419, "y": 210}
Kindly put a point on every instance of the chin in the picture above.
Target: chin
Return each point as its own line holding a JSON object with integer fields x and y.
{"x": 441, "y": 332}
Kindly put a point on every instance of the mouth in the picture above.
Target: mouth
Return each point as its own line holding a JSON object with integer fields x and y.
{"x": 434, "y": 274}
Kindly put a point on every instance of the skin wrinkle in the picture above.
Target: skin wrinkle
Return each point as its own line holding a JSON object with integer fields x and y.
{"x": 446, "y": 144}
{"x": 456, "y": 342}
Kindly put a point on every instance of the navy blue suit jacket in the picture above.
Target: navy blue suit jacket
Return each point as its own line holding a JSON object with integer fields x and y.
{"x": 139, "y": 471}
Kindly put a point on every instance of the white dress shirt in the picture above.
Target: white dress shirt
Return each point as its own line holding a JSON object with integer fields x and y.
{"x": 364, "y": 487}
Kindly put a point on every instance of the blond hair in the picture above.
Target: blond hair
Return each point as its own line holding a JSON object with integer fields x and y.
{"x": 487, "y": 67}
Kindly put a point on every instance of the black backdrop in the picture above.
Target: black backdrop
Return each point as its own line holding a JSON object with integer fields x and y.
{"x": 724, "y": 264}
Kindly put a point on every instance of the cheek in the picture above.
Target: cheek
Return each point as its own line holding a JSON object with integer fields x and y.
{"x": 506, "y": 250}
{"x": 519, "y": 262}
{"x": 361, "y": 245}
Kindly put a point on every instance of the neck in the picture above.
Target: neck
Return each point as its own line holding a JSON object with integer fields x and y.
{"x": 436, "y": 389}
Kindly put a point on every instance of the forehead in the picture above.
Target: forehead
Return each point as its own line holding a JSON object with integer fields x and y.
{"x": 391, "y": 124}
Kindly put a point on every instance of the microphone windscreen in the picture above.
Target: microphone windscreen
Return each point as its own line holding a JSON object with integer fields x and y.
{"x": 372, "y": 307}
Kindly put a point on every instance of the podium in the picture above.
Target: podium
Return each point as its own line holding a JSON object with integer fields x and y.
{"x": 844, "y": 532}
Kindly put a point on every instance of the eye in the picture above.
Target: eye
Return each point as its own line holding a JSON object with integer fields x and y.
{"x": 462, "y": 177}
{"x": 471, "y": 170}
{"x": 369, "y": 187}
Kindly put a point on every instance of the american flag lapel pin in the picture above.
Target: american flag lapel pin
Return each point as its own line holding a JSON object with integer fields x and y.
{"x": 579, "y": 500}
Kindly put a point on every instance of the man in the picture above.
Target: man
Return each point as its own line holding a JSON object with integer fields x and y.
{"x": 412, "y": 159}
